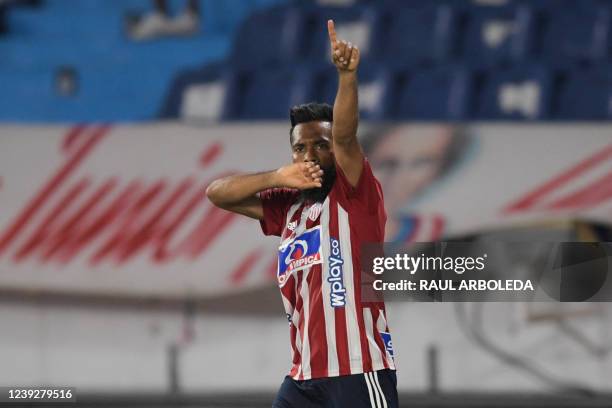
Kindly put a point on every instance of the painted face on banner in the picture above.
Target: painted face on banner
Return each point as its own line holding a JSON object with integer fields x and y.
{"x": 407, "y": 160}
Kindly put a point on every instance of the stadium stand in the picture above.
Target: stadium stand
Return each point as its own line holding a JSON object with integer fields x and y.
{"x": 514, "y": 93}
{"x": 88, "y": 35}
{"x": 577, "y": 31}
{"x": 434, "y": 60}
{"x": 415, "y": 35}
{"x": 584, "y": 94}
{"x": 487, "y": 60}
{"x": 493, "y": 35}
{"x": 440, "y": 93}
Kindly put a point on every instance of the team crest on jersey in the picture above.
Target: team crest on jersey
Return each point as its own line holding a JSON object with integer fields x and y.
{"x": 299, "y": 252}
{"x": 388, "y": 343}
{"x": 292, "y": 225}
{"x": 314, "y": 211}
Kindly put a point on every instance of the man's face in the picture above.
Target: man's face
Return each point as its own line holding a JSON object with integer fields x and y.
{"x": 311, "y": 142}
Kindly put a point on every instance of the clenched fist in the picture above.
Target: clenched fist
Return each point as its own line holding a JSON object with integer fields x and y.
{"x": 345, "y": 55}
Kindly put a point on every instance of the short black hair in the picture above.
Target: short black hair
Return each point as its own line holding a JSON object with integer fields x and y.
{"x": 310, "y": 112}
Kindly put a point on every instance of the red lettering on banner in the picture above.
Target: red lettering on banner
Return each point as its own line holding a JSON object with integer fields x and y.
{"x": 123, "y": 221}
{"x": 162, "y": 240}
{"x": 44, "y": 230}
{"x": 70, "y": 241}
{"x": 212, "y": 224}
{"x": 272, "y": 269}
{"x": 590, "y": 196}
{"x": 150, "y": 227}
{"x": 162, "y": 253}
{"x": 211, "y": 154}
{"x": 241, "y": 271}
{"x": 128, "y": 227}
{"x": 535, "y": 198}
{"x": 71, "y": 137}
{"x": 74, "y": 160}
{"x": 63, "y": 234}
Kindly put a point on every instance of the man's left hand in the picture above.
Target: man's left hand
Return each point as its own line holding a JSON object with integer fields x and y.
{"x": 345, "y": 55}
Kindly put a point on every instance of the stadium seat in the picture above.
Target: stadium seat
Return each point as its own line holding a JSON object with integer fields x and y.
{"x": 262, "y": 94}
{"x": 338, "y": 3}
{"x": 3, "y": 25}
{"x": 375, "y": 84}
{"x": 494, "y": 35}
{"x": 225, "y": 16}
{"x": 267, "y": 38}
{"x": 421, "y": 33}
{"x": 585, "y": 94}
{"x": 352, "y": 24}
{"x": 439, "y": 93}
{"x": 522, "y": 93}
{"x": 575, "y": 31}
{"x": 197, "y": 94}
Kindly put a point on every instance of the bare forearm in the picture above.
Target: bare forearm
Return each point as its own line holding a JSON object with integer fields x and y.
{"x": 232, "y": 190}
{"x": 346, "y": 109}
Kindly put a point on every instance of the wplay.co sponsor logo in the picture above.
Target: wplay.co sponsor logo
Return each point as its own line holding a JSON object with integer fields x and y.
{"x": 336, "y": 275}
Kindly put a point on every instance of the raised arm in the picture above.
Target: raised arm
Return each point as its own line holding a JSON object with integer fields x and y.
{"x": 347, "y": 150}
{"x": 238, "y": 193}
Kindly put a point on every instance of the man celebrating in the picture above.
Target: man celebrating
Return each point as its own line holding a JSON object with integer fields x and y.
{"x": 324, "y": 206}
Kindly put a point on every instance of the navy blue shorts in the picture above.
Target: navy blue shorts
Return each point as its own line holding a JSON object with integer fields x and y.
{"x": 376, "y": 389}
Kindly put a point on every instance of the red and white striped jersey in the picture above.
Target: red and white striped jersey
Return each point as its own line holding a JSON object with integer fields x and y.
{"x": 332, "y": 331}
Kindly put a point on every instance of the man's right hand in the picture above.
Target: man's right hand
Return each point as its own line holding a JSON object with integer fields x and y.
{"x": 301, "y": 176}
{"x": 238, "y": 193}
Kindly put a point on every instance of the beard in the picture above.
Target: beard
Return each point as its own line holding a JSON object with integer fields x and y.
{"x": 320, "y": 193}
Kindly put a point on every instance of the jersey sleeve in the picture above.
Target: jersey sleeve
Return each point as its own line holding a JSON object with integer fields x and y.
{"x": 367, "y": 194}
{"x": 275, "y": 203}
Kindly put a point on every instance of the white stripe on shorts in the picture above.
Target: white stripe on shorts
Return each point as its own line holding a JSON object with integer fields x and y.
{"x": 382, "y": 395}
{"x": 367, "y": 380}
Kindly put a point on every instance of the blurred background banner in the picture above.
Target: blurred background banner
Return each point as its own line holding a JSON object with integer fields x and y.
{"x": 120, "y": 210}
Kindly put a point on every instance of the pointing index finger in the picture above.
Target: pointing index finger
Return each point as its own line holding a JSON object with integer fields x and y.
{"x": 332, "y": 32}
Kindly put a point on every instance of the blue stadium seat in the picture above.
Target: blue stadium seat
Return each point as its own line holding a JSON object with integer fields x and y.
{"x": 498, "y": 34}
{"x": 3, "y": 25}
{"x": 375, "y": 87}
{"x": 262, "y": 94}
{"x": 576, "y": 31}
{"x": 352, "y": 24}
{"x": 267, "y": 38}
{"x": 339, "y": 3}
{"x": 197, "y": 94}
{"x": 421, "y": 33}
{"x": 585, "y": 95}
{"x": 224, "y": 16}
{"x": 521, "y": 93}
{"x": 551, "y": 5}
{"x": 441, "y": 93}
